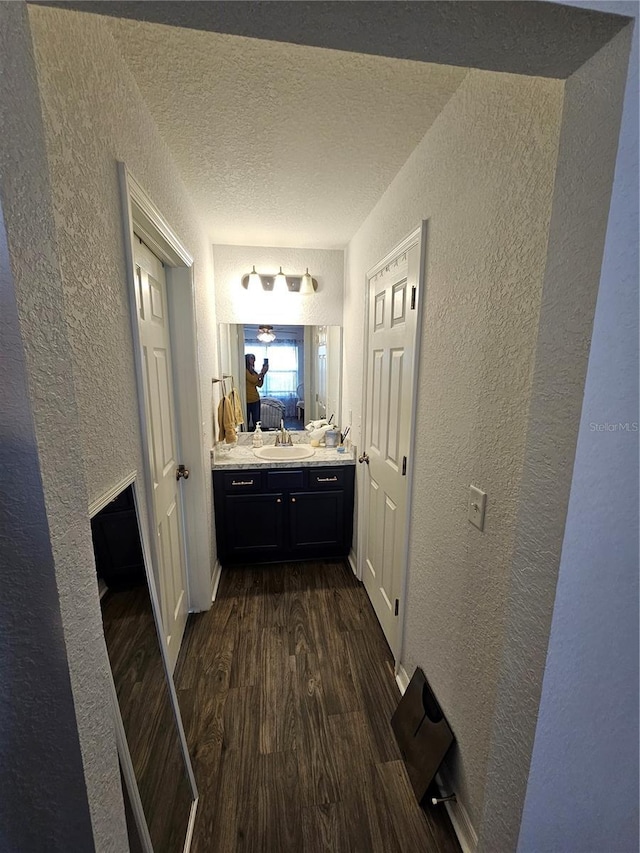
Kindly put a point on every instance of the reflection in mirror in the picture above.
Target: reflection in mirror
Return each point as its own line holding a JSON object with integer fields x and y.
{"x": 303, "y": 381}
{"x": 151, "y": 724}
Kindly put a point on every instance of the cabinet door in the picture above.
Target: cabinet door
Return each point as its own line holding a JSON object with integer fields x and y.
{"x": 254, "y": 525}
{"x": 316, "y": 521}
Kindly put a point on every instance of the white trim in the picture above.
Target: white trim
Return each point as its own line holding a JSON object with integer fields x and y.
{"x": 402, "y": 678}
{"x": 420, "y": 234}
{"x": 459, "y": 816}
{"x": 417, "y": 237}
{"x": 217, "y": 574}
{"x": 188, "y": 415}
{"x": 400, "y": 249}
{"x": 353, "y": 562}
{"x": 190, "y": 826}
{"x": 165, "y": 240}
{"x": 101, "y": 502}
{"x": 137, "y": 207}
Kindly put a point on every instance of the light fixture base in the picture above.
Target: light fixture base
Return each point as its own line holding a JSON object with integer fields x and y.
{"x": 293, "y": 282}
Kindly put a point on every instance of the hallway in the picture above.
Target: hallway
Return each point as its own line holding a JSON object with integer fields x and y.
{"x": 286, "y": 690}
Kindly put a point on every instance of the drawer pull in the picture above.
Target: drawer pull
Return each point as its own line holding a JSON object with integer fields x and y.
{"x": 293, "y": 500}
{"x": 242, "y": 483}
{"x": 326, "y": 479}
{"x": 278, "y": 500}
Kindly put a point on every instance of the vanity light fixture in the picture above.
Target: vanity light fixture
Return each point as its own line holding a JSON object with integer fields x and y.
{"x": 255, "y": 282}
{"x": 266, "y": 334}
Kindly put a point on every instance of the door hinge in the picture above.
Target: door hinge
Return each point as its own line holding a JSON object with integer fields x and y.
{"x": 404, "y": 466}
{"x": 395, "y": 612}
{"x": 413, "y": 297}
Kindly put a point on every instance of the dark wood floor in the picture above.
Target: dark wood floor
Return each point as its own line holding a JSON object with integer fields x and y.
{"x": 286, "y": 688}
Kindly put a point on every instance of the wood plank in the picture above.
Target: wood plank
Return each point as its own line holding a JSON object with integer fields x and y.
{"x": 379, "y": 694}
{"x": 316, "y": 758}
{"x": 271, "y": 820}
{"x": 332, "y": 650}
{"x": 278, "y": 706}
{"x": 290, "y": 690}
{"x": 368, "y": 828}
{"x": 324, "y": 829}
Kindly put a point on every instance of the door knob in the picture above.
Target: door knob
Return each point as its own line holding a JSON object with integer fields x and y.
{"x": 183, "y": 472}
{"x": 364, "y": 458}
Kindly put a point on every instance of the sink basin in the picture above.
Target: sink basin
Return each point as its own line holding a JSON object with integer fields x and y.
{"x": 285, "y": 452}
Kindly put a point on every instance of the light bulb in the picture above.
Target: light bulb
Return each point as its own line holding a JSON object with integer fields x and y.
{"x": 280, "y": 283}
{"x": 255, "y": 282}
{"x": 306, "y": 284}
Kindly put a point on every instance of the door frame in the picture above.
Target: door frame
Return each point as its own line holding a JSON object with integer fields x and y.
{"x": 140, "y": 212}
{"x": 417, "y": 236}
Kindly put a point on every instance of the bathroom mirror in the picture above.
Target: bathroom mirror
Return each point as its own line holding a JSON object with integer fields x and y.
{"x": 304, "y": 381}
{"x": 154, "y": 757}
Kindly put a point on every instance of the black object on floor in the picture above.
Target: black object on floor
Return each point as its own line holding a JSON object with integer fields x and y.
{"x": 422, "y": 733}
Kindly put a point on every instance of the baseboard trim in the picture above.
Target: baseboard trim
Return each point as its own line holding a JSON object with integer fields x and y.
{"x": 217, "y": 573}
{"x": 402, "y": 678}
{"x": 353, "y": 562}
{"x": 459, "y": 816}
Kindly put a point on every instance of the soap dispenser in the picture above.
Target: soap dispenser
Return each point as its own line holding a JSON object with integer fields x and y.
{"x": 257, "y": 436}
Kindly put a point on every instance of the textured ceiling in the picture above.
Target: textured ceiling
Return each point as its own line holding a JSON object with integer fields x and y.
{"x": 281, "y": 144}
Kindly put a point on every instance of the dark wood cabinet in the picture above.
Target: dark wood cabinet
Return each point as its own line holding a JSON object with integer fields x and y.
{"x": 116, "y": 542}
{"x": 271, "y": 515}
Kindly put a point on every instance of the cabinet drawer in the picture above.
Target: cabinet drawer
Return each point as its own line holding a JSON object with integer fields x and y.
{"x": 326, "y": 478}
{"x": 288, "y": 478}
{"x": 242, "y": 482}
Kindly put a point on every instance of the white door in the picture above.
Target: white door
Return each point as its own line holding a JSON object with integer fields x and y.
{"x": 390, "y": 392}
{"x": 153, "y": 322}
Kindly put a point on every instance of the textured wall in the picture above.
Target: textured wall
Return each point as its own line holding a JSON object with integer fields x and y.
{"x": 586, "y": 744}
{"x": 590, "y": 123}
{"x": 51, "y": 628}
{"x": 93, "y": 116}
{"x": 483, "y": 177}
{"x": 235, "y": 305}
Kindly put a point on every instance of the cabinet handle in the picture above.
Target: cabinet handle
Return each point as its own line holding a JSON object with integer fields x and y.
{"x": 278, "y": 500}
{"x": 326, "y": 479}
{"x": 242, "y": 483}
{"x": 293, "y": 500}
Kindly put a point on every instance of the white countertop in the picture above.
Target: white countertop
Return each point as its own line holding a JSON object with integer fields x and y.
{"x": 242, "y": 456}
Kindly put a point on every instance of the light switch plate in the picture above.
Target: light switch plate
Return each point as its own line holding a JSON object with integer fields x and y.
{"x": 477, "y": 504}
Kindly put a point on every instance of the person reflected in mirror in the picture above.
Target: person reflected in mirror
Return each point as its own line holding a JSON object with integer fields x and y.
{"x": 254, "y": 381}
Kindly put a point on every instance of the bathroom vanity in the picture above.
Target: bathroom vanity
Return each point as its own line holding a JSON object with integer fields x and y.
{"x": 270, "y": 511}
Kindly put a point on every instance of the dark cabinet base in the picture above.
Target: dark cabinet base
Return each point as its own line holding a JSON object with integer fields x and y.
{"x": 272, "y": 515}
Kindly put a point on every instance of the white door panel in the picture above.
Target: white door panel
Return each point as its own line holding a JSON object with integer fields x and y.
{"x": 151, "y": 299}
{"x": 391, "y": 343}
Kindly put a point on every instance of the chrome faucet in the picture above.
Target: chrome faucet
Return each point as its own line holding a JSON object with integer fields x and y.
{"x": 284, "y": 436}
